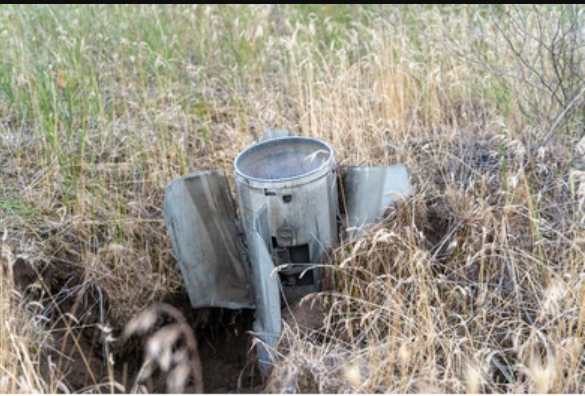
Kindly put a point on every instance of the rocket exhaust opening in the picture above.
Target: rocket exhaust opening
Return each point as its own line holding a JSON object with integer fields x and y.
{"x": 283, "y": 159}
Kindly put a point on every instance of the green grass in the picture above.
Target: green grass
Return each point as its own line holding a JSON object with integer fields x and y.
{"x": 17, "y": 208}
{"x": 102, "y": 105}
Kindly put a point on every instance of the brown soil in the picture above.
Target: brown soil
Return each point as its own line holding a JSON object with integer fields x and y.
{"x": 75, "y": 354}
{"x": 225, "y": 347}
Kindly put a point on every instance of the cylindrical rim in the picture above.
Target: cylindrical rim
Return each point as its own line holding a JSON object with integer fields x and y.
{"x": 313, "y": 174}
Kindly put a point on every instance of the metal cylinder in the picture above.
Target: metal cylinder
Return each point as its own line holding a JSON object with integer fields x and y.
{"x": 295, "y": 178}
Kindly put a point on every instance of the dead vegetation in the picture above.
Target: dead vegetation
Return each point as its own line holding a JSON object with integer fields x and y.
{"x": 453, "y": 293}
{"x": 474, "y": 284}
{"x": 173, "y": 349}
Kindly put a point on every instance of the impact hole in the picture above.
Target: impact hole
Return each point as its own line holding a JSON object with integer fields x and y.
{"x": 287, "y": 198}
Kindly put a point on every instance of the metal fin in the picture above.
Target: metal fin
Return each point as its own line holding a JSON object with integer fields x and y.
{"x": 369, "y": 190}
{"x": 200, "y": 219}
{"x": 274, "y": 133}
{"x": 268, "y": 323}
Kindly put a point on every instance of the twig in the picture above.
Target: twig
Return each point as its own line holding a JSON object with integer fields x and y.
{"x": 552, "y": 130}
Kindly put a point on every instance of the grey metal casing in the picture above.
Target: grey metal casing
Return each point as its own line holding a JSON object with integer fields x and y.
{"x": 301, "y": 199}
{"x": 268, "y": 323}
{"x": 200, "y": 219}
{"x": 287, "y": 193}
{"x": 275, "y": 133}
{"x": 370, "y": 190}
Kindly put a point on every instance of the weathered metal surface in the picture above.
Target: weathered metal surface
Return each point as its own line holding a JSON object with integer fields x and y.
{"x": 288, "y": 200}
{"x": 200, "y": 219}
{"x": 369, "y": 190}
{"x": 268, "y": 323}
{"x": 274, "y": 133}
{"x": 295, "y": 178}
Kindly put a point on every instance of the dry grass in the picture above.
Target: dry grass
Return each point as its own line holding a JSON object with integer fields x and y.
{"x": 18, "y": 337}
{"x": 172, "y": 349}
{"x": 473, "y": 284}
